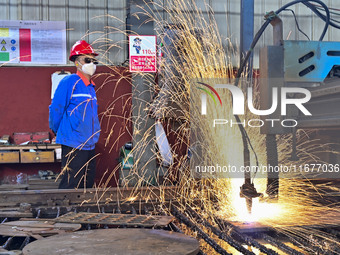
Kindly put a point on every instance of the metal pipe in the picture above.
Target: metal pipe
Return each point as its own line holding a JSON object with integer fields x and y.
{"x": 334, "y": 232}
{"x": 305, "y": 244}
{"x": 133, "y": 210}
{"x": 8, "y": 243}
{"x": 175, "y": 228}
{"x": 194, "y": 227}
{"x": 38, "y": 214}
{"x": 280, "y": 245}
{"x": 118, "y": 209}
{"x": 271, "y": 144}
{"x": 89, "y": 225}
{"x": 221, "y": 235}
{"x": 25, "y": 242}
{"x": 201, "y": 253}
{"x": 272, "y": 160}
{"x": 103, "y": 211}
{"x": 244, "y": 238}
{"x": 146, "y": 211}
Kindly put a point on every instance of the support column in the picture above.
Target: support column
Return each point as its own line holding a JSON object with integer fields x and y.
{"x": 271, "y": 143}
{"x": 247, "y": 30}
{"x": 142, "y": 92}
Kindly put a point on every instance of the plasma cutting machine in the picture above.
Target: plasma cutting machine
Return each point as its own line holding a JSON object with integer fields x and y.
{"x": 313, "y": 65}
{"x": 299, "y": 64}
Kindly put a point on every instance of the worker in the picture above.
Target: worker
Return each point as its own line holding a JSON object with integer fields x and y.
{"x": 74, "y": 119}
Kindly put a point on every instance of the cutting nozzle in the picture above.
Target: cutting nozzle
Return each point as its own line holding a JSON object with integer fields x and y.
{"x": 248, "y": 191}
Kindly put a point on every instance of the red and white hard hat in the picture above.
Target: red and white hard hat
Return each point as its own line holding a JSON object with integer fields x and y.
{"x": 81, "y": 47}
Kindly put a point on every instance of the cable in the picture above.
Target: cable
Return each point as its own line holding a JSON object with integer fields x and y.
{"x": 331, "y": 12}
{"x": 264, "y": 26}
{"x": 330, "y": 8}
{"x": 320, "y": 15}
{"x": 332, "y": 20}
{"x": 297, "y": 23}
{"x": 245, "y": 137}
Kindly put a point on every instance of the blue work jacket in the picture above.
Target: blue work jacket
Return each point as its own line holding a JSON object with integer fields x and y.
{"x": 74, "y": 113}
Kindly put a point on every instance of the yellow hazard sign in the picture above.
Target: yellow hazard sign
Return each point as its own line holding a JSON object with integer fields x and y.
{"x": 3, "y": 41}
{"x": 4, "y": 32}
{"x": 3, "y": 48}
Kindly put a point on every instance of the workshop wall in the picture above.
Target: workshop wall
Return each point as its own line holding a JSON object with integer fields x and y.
{"x": 97, "y": 21}
{"x": 101, "y": 22}
{"x": 25, "y": 97}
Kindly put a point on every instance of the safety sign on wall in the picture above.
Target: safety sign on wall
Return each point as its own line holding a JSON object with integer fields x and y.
{"x": 32, "y": 42}
{"x": 142, "y": 52}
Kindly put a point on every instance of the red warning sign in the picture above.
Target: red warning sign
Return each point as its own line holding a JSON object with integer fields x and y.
{"x": 25, "y": 45}
{"x": 143, "y": 64}
{"x": 142, "y": 49}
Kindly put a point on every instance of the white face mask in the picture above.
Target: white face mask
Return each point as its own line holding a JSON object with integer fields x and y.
{"x": 89, "y": 69}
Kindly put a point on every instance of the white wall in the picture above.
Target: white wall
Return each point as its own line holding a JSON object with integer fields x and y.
{"x": 88, "y": 19}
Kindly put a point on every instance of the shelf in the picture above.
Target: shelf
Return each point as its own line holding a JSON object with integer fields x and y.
{"x": 30, "y": 146}
{"x": 9, "y": 157}
{"x": 43, "y": 153}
